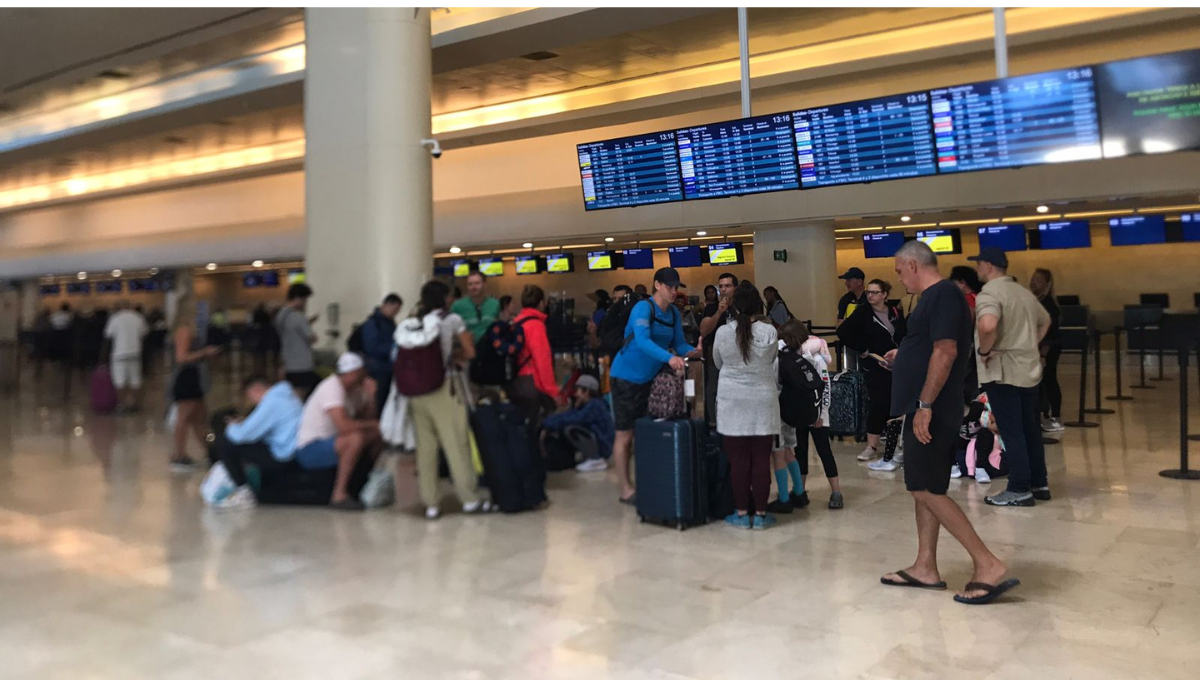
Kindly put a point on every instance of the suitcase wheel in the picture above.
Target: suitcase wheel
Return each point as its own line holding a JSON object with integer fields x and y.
{"x": 681, "y": 526}
{"x": 642, "y": 519}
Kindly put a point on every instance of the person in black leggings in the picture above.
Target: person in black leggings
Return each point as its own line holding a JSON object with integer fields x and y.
{"x": 1050, "y": 393}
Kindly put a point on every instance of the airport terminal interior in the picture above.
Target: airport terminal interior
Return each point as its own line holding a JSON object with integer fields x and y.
{"x": 203, "y": 163}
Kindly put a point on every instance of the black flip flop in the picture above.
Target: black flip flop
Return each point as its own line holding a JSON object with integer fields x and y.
{"x": 991, "y": 592}
{"x": 910, "y": 582}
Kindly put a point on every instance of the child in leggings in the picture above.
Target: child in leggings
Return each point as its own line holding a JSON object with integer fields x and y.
{"x": 817, "y": 352}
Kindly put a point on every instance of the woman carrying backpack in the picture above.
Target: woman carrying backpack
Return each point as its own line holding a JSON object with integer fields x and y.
{"x": 874, "y": 329}
{"x": 533, "y": 390}
{"x": 654, "y": 328}
{"x": 425, "y": 358}
{"x": 744, "y": 351}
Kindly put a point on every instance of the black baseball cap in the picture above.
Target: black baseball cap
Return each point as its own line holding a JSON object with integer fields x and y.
{"x": 853, "y": 273}
{"x": 668, "y": 276}
{"x": 992, "y": 255}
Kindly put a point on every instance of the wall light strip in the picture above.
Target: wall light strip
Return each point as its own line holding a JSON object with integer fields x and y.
{"x": 1098, "y": 213}
{"x": 1170, "y": 208}
{"x": 964, "y": 223}
{"x": 848, "y": 231}
{"x": 1027, "y": 218}
{"x": 913, "y": 226}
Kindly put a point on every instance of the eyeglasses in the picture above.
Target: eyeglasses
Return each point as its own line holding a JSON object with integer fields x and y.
{"x": 874, "y": 292}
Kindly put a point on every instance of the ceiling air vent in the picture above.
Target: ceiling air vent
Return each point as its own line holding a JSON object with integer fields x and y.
{"x": 174, "y": 140}
{"x": 115, "y": 74}
{"x": 539, "y": 56}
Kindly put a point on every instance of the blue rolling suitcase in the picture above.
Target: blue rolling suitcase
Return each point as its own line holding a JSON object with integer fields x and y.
{"x": 672, "y": 474}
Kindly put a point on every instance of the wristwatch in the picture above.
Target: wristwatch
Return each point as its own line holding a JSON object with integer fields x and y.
{"x": 924, "y": 405}
{"x": 983, "y": 353}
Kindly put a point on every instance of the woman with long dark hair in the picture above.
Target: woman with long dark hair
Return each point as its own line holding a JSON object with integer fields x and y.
{"x": 744, "y": 350}
{"x": 1050, "y": 398}
{"x": 777, "y": 309}
{"x": 874, "y": 329}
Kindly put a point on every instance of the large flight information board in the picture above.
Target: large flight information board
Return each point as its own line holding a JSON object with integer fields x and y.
{"x": 630, "y": 171}
{"x": 1026, "y": 120}
{"x": 865, "y": 141}
{"x": 746, "y": 156}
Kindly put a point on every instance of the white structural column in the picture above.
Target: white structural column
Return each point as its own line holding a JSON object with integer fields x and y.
{"x": 808, "y": 280}
{"x": 368, "y": 183}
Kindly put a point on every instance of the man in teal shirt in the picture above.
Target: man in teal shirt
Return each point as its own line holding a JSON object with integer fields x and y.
{"x": 477, "y": 309}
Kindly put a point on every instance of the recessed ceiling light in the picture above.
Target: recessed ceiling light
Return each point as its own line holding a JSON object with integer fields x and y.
{"x": 211, "y": 266}
{"x": 257, "y": 263}
{"x": 702, "y": 233}
{"x": 1043, "y": 209}
{"x": 116, "y": 273}
{"x": 82, "y": 276}
{"x": 526, "y": 245}
{"x": 454, "y": 250}
{"x": 905, "y": 218}
{"x": 608, "y": 239}
{"x": 153, "y": 271}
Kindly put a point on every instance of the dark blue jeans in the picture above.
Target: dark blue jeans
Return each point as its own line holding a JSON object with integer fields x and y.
{"x": 1016, "y": 411}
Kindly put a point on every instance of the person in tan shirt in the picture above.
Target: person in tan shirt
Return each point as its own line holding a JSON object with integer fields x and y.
{"x": 1009, "y": 324}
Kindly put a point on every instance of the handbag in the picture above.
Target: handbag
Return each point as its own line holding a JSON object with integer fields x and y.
{"x": 217, "y": 485}
{"x": 667, "y": 400}
{"x": 380, "y": 489}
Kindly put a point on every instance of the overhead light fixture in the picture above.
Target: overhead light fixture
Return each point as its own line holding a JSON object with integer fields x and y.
{"x": 116, "y": 273}
{"x": 1043, "y": 208}
{"x": 211, "y": 266}
{"x": 257, "y": 263}
{"x": 702, "y": 233}
{"x": 526, "y": 245}
{"x": 153, "y": 271}
{"x": 82, "y": 276}
{"x": 454, "y": 250}
{"x": 608, "y": 239}
{"x": 905, "y": 218}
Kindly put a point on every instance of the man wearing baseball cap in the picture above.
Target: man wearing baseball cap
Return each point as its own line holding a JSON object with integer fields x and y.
{"x": 586, "y": 428}
{"x": 329, "y": 436}
{"x": 856, "y": 293}
{"x": 1009, "y": 324}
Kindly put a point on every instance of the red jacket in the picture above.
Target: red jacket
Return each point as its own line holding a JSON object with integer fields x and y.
{"x": 536, "y": 359}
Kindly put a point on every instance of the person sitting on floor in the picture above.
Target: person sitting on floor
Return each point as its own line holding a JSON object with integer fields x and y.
{"x": 329, "y": 436}
{"x": 586, "y": 428}
{"x": 265, "y": 438}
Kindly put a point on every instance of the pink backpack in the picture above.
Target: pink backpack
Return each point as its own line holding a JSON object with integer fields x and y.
{"x": 101, "y": 392}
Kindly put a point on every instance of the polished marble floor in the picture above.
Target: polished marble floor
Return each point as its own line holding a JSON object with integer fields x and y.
{"x": 110, "y": 568}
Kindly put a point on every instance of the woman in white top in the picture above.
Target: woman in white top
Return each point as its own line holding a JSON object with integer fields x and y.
{"x": 744, "y": 351}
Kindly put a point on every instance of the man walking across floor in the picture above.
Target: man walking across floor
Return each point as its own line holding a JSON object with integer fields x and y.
{"x": 124, "y": 331}
{"x": 928, "y": 367}
{"x": 1009, "y": 324}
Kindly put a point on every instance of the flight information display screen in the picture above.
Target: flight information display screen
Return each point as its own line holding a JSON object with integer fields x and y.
{"x": 462, "y": 268}
{"x": 51, "y": 289}
{"x": 1003, "y": 236}
{"x": 865, "y": 141}
{"x": 528, "y": 264}
{"x": 726, "y": 254}
{"x": 491, "y": 266}
{"x": 638, "y": 258}
{"x": 560, "y": 263}
{"x": 684, "y": 256}
{"x": 746, "y": 156}
{"x": 630, "y": 171}
{"x": 1150, "y": 104}
{"x": 1191, "y": 226}
{"x": 882, "y": 245}
{"x": 1063, "y": 235}
{"x": 1137, "y": 230}
{"x": 942, "y": 241}
{"x": 600, "y": 261}
{"x": 1025, "y": 120}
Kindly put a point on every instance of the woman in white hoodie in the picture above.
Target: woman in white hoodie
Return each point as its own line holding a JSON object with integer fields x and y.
{"x": 439, "y": 419}
{"x": 744, "y": 351}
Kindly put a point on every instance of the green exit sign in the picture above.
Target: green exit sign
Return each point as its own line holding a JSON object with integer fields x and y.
{"x": 781, "y": 256}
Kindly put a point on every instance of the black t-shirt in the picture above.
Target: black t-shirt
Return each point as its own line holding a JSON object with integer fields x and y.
{"x": 849, "y": 299}
{"x": 711, "y": 310}
{"x": 1053, "y": 337}
{"x": 941, "y": 314}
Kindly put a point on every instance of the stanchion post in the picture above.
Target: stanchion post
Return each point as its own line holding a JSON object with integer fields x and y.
{"x": 1083, "y": 371}
{"x": 1097, "y": 335}
{"x": 1117, "y": 360}
{"x": 1184, "y": 472}
{"x": 1142, "y": 357}
{"x": 1160, "y": 377}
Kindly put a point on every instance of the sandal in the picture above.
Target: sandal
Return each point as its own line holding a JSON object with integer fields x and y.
{"x": 910, "y": 582}
{"x": 632, "y": 500}
{"x": 991, "y": 592}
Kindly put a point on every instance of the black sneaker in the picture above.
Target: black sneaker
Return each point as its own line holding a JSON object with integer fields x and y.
{"x": 800, "y": 500}
{"x": 780, "y": 507}
{"x": 1042, "y": 493}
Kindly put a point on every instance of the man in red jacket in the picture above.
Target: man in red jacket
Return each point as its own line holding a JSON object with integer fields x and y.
{"x": 534, "y": 390}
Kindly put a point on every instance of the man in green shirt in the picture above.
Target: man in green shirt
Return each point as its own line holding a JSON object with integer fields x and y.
{"x": 476, "y": 309}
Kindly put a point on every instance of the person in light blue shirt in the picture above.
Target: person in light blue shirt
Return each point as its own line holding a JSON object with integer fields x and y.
{"x": 265, "y": 438}
{"x": 654, "y": 328}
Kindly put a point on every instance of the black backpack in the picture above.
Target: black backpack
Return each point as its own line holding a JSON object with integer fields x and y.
{"x": 612, "y": 328}
{"x": 802, "y": 391}
{"x": 497, "y": 354}
{"x": 354, "y": 343}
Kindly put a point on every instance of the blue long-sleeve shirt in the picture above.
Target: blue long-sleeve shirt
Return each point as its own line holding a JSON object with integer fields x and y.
{"x": 273, "y": 422}
{"x": 642, "y": 358}
{"x": 593, "y": 415}
{"x": 377, "y": 342}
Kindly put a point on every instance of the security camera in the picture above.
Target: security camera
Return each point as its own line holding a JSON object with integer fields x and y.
{"x": 435, "y": 149}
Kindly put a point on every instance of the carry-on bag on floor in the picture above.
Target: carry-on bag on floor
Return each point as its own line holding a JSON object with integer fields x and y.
{"x": 720, "y": 485}
{"x": 848, "y": 405}
{"x": 672, "y": 475}
{"x": 291, "y": 484}
{"x": 512, "y": 466}
{"x": 101, "y": 393}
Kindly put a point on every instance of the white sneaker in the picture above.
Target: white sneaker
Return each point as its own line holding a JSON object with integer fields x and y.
{"x": 1057, "y": 425}
{"x": 982, "y": 477}
{"x": 867, "y": 453}
{"x": 473, "y": 508}
{"x": 242, "y": 498}
{"x": 593, "y": 465}
{"x": 898, "y": 457}
{"x": 882, "y": 465}
{"x": 432, "y": 512}
{"x": 955, "y": 472}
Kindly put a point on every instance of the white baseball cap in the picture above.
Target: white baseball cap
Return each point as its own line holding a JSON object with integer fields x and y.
{"x": 349, "y": 362}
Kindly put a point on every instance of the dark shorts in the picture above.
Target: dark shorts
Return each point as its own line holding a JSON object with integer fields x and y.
{"x": 187, "y": 385}
{"x": 630, "y": 401}
{"x": 927, "y": 466}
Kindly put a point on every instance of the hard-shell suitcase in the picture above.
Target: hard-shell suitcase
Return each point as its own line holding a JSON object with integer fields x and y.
{"x": 672, "y": 474}
{"x": 101, "y": 393}
{"x": 512, "y": 467}
{"x": 848, "y": 405}
{"x": 290, "y": 484}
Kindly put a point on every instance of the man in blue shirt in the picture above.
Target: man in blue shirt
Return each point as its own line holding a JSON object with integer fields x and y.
{"x": 377, "y": 345}
{"x": 587, "y": 428}
{"x": 266, "y": 438}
